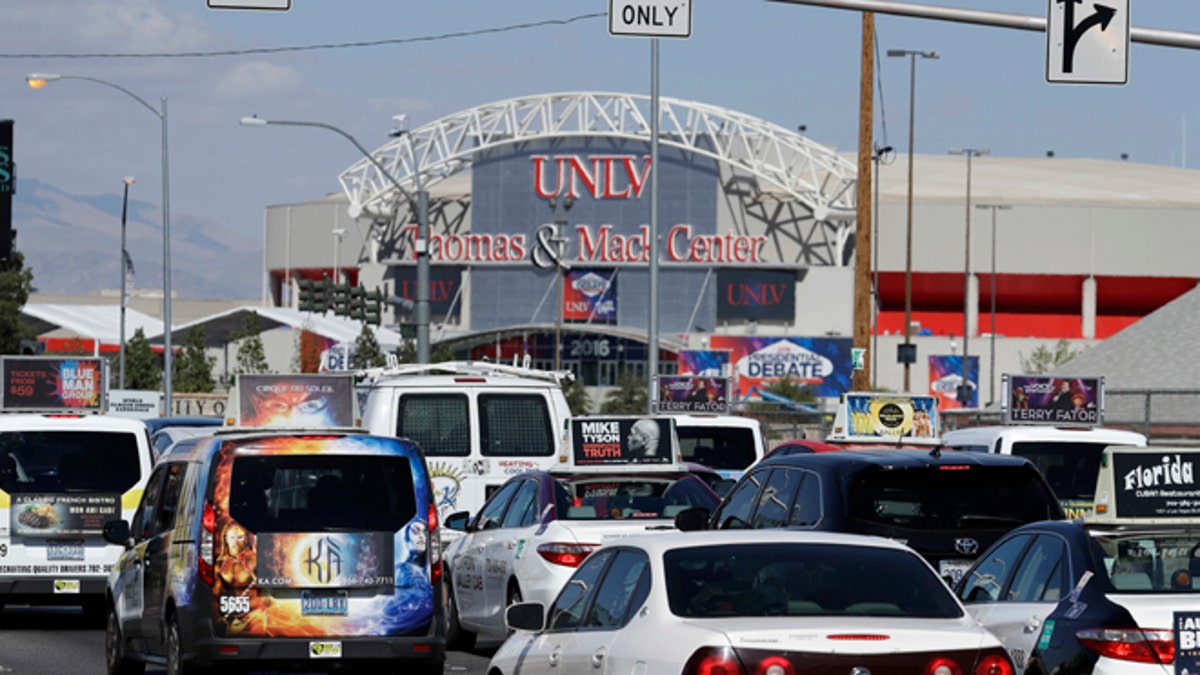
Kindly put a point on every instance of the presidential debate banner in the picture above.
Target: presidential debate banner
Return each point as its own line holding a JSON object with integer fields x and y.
{"x": 705, "y": 362}
{"x": 945, "y": 375}
{"x": 590, "y": 295}
{"x": 824, "y": 364}
{"x": 756, "y": 294}
{"x": 1042, "y": 399}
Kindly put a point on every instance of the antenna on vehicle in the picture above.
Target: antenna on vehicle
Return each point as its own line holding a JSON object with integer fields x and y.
{"x": 936, "y": 453}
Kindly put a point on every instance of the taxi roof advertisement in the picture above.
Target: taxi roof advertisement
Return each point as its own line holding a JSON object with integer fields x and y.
{"x": 625, "y": 440}
{"x": 1060, "y": 401}
{"x": 891, "y": 416}
{"x": 1156, "y": 484}
{"x": 36, "y": 383}
{"x": 296, "y": 401}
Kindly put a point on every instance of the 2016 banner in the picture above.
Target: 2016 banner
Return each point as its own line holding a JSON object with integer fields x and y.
{"x": 590, "y": 295}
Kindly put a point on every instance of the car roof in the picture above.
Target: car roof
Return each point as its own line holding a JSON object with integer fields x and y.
{"x": 68, "y": 422}
{"x": 656, "y": 544}
{"x": 705, "y": 420}
{"x": 989, "y": 434}
{"x": 156, "y": 423}
{"x": 894, "y": 459}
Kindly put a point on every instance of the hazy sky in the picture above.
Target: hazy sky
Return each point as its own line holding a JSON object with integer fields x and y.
{"x": 789, "y": 64}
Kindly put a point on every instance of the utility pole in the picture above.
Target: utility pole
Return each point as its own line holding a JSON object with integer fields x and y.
{"x": 862, "y": 229}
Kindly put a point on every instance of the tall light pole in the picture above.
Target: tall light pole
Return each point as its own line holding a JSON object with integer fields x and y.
{"x": 560, "y": 224}
{"x": 39, "y": 80}
{"x": 420, "y": 201}
{"x": 879, "y": 155}
{"x": 336, "y": 272}
{"x": 992, "y": 374}
{"x": 964, "y": 393}
{"x": 126, "y": 266}
{"x": 912, "y": 98}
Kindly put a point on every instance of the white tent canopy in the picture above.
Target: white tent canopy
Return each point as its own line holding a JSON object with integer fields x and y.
{"x": 219, "y": 328}
{"x": 98, "y": 322}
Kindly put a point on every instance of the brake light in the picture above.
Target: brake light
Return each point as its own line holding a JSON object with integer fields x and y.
{"x": 713, "y": 661}
{"x": 954, "y": 467}
{"x": 470, "y": 379}
{"x": 943, "y": 666}
{"x": 1130, "y": 644}
{"x": 208, "y": 523}
{"x": 995, "y": 662}
{"x": 435, "y": 547}
{"x": 775, "y": 665}
{"x": 567, "y": 555}
{"x": 857, "y": 636}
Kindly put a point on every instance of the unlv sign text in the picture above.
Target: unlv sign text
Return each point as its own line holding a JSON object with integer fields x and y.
{"x": 603, "y": 176}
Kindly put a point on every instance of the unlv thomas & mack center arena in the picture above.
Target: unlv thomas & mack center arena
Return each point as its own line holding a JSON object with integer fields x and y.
{"x": 756, "y": 227}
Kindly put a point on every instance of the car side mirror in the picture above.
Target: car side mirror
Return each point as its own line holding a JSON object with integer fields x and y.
{"x": 530, "y": 616}
{"x": 692, "y": 520}
{"x": 458, "y": 521}
{"x": 116, "y": 532}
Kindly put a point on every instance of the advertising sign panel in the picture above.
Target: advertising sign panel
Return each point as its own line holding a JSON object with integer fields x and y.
{"x": 824, "y": 364}
{"x": 688, "y": 394}
{"x": 1187, "y": 642}
{"x": 590, "y": 295}
{"x": 754, "y": 294}
{"x": 444, "y": 285}
{"x": 135, "y": 403}
{"x": 1043, "y": 399}
{"x": 890, "y": 416}
{"x": 35, "y": 383}
{"x": 945, "y": 375}
{"x": 325, "y": 560}
{"x": 296, "y": 401}
{"x": 62, "y": 515}
{"x": 706, "y": 362}
{"x": 1156, "y": 484}
{"x": 646, "y": 440}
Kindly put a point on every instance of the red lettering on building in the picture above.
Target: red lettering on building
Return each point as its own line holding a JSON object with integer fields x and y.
{"x": 755, "y": 295}
{"x": 712, "y": 248}
{"x": 596, "y": 175}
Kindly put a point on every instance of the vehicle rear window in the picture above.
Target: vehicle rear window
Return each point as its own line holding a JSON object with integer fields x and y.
{"x": 783, "y": 579}
{"x": 619, "y": 497}
{"x": 721, "y": 448}
{"x": 515, "y": 425}
{"x": 938, "y": 498}
{"x": 69, "y": 461}
{"x": 439, "y": 423}
{"x": 1152, "y": 563}
{"x": 1069, "y": 468}
{"x": 314, "y": 493}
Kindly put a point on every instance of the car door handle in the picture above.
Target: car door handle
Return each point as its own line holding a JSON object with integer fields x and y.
{"x": 1033, "y": 624}
{"x": 555, "y": 656}
{"x": 510, "y": 544}
{"x": 598, "y": 659}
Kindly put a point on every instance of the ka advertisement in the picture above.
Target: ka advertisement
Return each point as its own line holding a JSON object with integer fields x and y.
{"x": 888, "y": 416}
{"x": 704, "y": 362}
{"x": 296, "y": 401}
{"x": 61, "y": 515}
{"x": 1156, "y": 484}
{"x": 945, "y": 375}
{"x": 689, "y": 394}
{"x": 54, "y": 383}
{"x": 823, "y": 364}
{"x": 590, "y": 295}
{"x": 1040, "y": 399}
{"x": 624, "y": 440}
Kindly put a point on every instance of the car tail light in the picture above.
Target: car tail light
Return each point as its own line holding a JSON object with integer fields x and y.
{"x": 1130, "y": 644}
{"x": 857, "y": 636}
{"x": 435, "y": 547}
{"x": 995, "y": 662}
{"x": 775, "y": 665}
{"x": 567, "y": 555}
{"x": 713, "y": 661}
{"x": 943, "y": 666}
{"x": 208, "y": 523}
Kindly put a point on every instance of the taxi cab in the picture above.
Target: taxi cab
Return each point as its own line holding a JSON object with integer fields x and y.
{"x": 1116, "y": 592}
{"x": 625, "y": 477}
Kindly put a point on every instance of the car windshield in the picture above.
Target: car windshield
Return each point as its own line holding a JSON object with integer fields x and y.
{"x": 791, "y": 579}
{"x": 315, "y": 493}
{"x": 723, "y": 448}
{"x": 1152, "y": 563}
{"x": 68, "y": 461}
{"x": 615, "y": 497}
{"x": 948, "y": 498}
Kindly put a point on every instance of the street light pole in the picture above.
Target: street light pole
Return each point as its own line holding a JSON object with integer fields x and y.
{"x": 964, "y": 393}
{"x": 336, "y": 273}
{"x": 560, "y": 224}
{"x": 39, "y": 80}
{"x": 420, "y": 202}
{"x": 992, "y": 374}
{"x": 125, "y": 265}
{"x": 879, "y": 155}
{"x": 908, "y": 237}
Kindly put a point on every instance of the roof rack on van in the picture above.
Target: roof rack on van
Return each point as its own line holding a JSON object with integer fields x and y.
{"x": 476, "y": 368}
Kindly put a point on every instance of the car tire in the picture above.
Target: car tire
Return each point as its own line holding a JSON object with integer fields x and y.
{"x": 175, "y": 663}
{"x": 457, "y": 637}
{"x": 114, "y": 649}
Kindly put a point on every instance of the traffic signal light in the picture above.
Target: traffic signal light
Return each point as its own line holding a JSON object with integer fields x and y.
{"x": 358, "y": 303}
{"x": 341, "y": 299}
{"x": 306, "y": 295}
{"x": 374, "y": 310}
{"x": 320, "y": 295}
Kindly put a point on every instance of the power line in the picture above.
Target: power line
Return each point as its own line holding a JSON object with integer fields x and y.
{"x": 305, "y": 48}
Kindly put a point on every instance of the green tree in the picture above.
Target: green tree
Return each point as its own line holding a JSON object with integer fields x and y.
{"x": 441, "y": 353}
{"x": 16, "y": 283}
{"x": 577, "y": 398}
{"x": 143, "y": 368}
{"x": 367, "y": 353}
{"x": 630, "y": 396}
{"x": 1043, "y": 359}
{"x": 193, "y": 368}
{"x": 251, "y": 356}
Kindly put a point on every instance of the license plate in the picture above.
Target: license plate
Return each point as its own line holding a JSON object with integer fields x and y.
{"x": 316, "y": 603}
{"x": 953, "y": 569}
{"x": 65, "y": 550}
{"x": 325, "y": 650}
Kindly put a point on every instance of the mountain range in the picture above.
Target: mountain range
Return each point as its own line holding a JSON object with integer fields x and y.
{"x": 72, "y": 244}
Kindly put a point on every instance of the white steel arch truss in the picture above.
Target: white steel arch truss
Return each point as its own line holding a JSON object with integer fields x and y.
{"x": 787, "y": 165}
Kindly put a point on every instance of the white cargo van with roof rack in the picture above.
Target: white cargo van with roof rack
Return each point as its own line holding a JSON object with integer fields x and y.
{"x": 478, "y": 423}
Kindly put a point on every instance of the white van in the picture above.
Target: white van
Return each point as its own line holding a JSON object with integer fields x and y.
{"x": 1069, "y": 457}
{"x": 478, "y": 423}
{"x": 728, "y": 444}
{"x": 61, "y": 477}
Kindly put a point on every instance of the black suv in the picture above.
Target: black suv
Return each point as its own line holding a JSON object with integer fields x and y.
{"x": 947, "y": 505}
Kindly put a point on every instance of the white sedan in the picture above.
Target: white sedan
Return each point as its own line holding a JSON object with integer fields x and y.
{"x": 751, "y": 602}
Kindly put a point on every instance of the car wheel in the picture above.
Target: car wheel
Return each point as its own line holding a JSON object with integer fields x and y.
{"x": 457, "y": 637}
{"x": 175, "y": 663}
{"x": 114, "y": 649}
